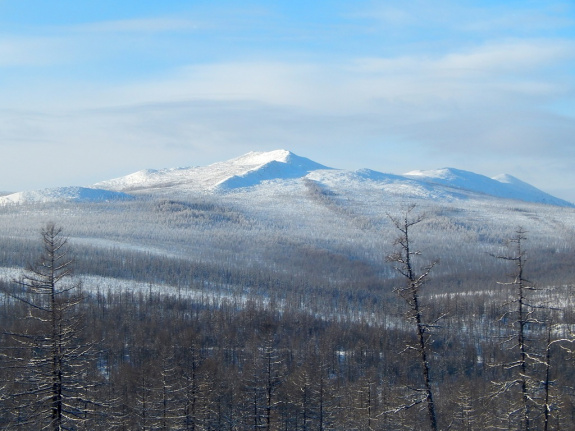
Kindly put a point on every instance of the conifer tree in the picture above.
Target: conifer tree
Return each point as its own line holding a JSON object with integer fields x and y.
{"x": 521, "y": 316}
{"x": 50, "y": 363}
{"x": 411, "y": 293}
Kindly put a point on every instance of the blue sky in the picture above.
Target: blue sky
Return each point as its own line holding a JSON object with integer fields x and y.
{"x": 95, "y": 90}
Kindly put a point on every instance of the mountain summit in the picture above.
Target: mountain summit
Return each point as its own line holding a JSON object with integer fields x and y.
{"x": 244, "y": 171}
{"x": 273, "y": 165}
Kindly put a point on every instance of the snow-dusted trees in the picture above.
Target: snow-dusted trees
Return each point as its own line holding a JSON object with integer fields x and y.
{"x": 411, "y": 293}
{"x": 521, "y": 315}
{"x": 316, "y": 354}
{"x": 528, "y": 386}
{"x": 49, "y": 362}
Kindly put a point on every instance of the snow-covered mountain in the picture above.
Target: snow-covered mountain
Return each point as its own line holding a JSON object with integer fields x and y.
{"x": 280, "y": 213}
{"x": 280, "y": 171}
{"x": 280, "y": 166}
{"x": 245, "y": 171}
{"x": 501, "y": 186}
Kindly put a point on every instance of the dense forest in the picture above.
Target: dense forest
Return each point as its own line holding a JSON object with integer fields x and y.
{"x": 413, "y": 346}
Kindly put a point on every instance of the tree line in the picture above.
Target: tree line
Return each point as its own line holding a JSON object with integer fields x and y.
{"x": 77, "y": 359}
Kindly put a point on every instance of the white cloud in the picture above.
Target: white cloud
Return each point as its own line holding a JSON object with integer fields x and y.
{"x": 513, "y": 56}
{"x": 496, "y": 19}
{"x": 480, "y": 97}
{"x": 535, "y": 17}
{"x": 440, "y": 101}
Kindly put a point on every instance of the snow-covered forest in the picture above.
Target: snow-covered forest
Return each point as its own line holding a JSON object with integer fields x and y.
{"x": 271, "y": 302}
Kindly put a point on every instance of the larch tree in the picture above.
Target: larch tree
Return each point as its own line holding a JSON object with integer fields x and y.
{"x": 403, "y": 258}
{"x": 51, "y": 363}
{"x": 521, "y": 316}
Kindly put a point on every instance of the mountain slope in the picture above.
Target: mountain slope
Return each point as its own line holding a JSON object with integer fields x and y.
{"x": 255, "y": 168}
{"x": 503, "y": 186}
{"x": 279, "y": 164}
{"x": 523, "y": 191}
{"x": 276, "y": 213}
{"x": 64, "y": 194}
{"x": 280, "y": 172}
{"x": 244, "y": 171}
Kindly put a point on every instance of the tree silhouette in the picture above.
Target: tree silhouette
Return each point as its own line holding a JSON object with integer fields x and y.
{"x": 410, "y": 292}
{"x": 51, "y": 363}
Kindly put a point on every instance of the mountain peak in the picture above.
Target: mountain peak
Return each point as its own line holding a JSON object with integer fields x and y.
{"x": 263, "y": 157}
{"x": 525, "y": 191}
{"x": 509, "y": 179}
{"x": 447, "y": 174}
{"x": 271, "y": 165}
{"x": 244, "y": 171}
{"x": 260, "y": 158}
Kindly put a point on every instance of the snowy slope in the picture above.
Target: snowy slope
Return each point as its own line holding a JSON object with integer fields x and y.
{"x": 364, "y": 182}
{"x": 256, "y": 168}
{"x": 286, "y": 214}
{"x": 503, "y": 186}
{"x": 523, "y": 191}
{"x": 69, "y": 194}
{"x": 245, "y": 171}
{"x": 279, "y": 172}
{"x": 283, "y": 165}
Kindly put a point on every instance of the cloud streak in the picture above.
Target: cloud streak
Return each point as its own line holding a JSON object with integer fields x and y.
{"x": 142, "y": 25}
{"x": 19, "y": 51}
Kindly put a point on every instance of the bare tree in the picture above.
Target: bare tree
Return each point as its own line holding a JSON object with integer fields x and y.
{"x": 552, "y": 403}
{"x": 51, "y": 365}
{"x": 410, "y": 292}
{"x": 522, "y": 316}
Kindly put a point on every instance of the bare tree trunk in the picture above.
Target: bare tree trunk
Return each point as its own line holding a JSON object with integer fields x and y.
{"x": 547, "y": 382}
{"x": 524, "y": 313}
{"x": 411, "y": 294}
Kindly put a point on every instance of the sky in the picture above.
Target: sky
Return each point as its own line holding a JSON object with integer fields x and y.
{"x": 93, "y": 90}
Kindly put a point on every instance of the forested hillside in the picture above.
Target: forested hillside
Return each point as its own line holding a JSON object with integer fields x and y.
{"x": 319, "y": 301}
{"x": 239, "y": 350}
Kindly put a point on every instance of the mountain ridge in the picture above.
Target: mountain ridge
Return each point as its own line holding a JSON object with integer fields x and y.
{"x": 64, "y": 194}
{"x": 280, "y": 167}
{"x": 501, "y": 186}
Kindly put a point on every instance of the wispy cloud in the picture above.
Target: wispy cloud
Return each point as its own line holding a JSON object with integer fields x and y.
{"x": 141, "y": 25}
{"x": 511, "y": 56}
{"x": 407, "y": 85}
{"x": 504, "y": 74}
{"x": 30, "y": 50}
{"x": 491, "y": 19}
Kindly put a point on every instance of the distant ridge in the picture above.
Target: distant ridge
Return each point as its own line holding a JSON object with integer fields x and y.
{"x": 64, "y": 194}
{"x": 502, "y": 186}
{"x": 524, "y": 191}
{"x": 279, "y": 168}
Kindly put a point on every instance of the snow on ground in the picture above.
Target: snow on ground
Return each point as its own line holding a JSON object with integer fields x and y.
{"x": 106, "y": 285}
{"x": 255, "y": 168}
{"x": 212, "y": 295}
